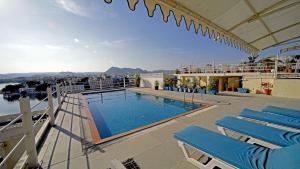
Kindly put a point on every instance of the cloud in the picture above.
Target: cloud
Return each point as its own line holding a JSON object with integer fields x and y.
{"x": 31, "y": 47}
{"x": 117, "y": 43}
{"x": 76, "y": 40}
{"x": 73, "y": 7}
{"x": 53, "y": 47}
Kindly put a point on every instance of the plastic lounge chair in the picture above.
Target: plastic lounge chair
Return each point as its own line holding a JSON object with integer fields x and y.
{"x": 258, "y": 133}
{"x": 282, "y": 111}
{"x": 273, "y": 120}
{"x": 227, "y": 152}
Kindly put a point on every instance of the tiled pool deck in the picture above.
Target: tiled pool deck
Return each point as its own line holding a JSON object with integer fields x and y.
{"x": 68, "y": 145}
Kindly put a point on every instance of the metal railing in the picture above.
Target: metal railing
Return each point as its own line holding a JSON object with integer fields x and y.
{"x": 28, "y": 127}
{"x": 291, "y": 70}
{"x": 98, "y": 85}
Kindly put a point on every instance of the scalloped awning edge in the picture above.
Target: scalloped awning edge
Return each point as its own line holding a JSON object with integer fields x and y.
{"x": 207, "y": 27}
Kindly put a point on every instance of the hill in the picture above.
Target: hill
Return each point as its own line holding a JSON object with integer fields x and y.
{"x": 120, "y": 71}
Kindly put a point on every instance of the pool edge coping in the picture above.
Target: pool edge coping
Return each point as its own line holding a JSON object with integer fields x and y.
{"x": 95, "y": 133}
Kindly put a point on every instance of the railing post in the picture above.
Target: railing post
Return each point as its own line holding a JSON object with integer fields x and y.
{"x": 63, "y": 93}
{"x": 28, "y": 128}
{"x": 58, "y": 95}
{"x": 70, "y": 87}
{"x": 276, "y": 66}
{"x": 2, "y": 154}
{"x": 100, "y": 82}
{"x": 124, "y": 81}
{"x": 50, "y": 104}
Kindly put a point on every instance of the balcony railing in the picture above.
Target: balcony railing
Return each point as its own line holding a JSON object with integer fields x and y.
{"x": 30, "y": 131}
{"x": 281, "y": 71}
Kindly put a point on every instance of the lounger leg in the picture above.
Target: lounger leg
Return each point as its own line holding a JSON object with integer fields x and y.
{"x": 191, "y": 160}
{"x": 222, "y": 130}
{"x": 263, "y": 143}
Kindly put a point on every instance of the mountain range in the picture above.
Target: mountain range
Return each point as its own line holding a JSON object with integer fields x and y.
{"x": 110, "y": 71}
{"x": 131, "y": 71}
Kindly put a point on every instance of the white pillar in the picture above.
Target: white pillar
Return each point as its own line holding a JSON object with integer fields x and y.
{"x": 207, "y": 81}
{"x": 28, "y": 128}
{"x": 70, "y": 86}
{"x": 63, "y": 92}
{"x": 58, "y": 95}
{"x": 50, "y": 104}
{"x": 100, "y": 81}
{"x": 124, "y": 81}
{"x": 276, "y": 66}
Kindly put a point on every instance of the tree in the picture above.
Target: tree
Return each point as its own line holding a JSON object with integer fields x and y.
{"x": 184, "y": 82}
{"x": 32, "y": 83}
{"x": 252, "y": 58}
{"x": 83, "y": 80}
{"x": 174, "y": 81}
{"x": 167, "y": 81}
{"x": 137, "y": 79}
{"x": 195, "y": 82}
{"x": 41, "y": 87}
{"x": 212, "y": 84}
{"x": 12, "y": 88}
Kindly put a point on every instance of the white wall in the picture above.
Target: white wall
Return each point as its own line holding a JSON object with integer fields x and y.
{"x": 148, "y": 80}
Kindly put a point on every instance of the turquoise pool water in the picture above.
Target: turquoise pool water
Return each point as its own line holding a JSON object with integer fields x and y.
{"x": 118, "y": 112}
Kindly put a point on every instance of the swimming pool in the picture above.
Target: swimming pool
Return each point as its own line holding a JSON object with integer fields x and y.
{"x": 116, "y": 114}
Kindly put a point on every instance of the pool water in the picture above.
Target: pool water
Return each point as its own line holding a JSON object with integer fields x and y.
{"x": 118, "y": 112}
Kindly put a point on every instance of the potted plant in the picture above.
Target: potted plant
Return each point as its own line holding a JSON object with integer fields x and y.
{"x": 289, "y": 64}
{"x": 212, "y": 87}
{"x": 267, "y": 87}
{"x": 242, "y": 90}
{"x": 194, "y": 85}
{"x": 202, "y": 90}
{"x": 166, "y": 84}
{"x": 156, "y": 84}
{"x": 184, "y": 84}
{"x": 173, "y": 84}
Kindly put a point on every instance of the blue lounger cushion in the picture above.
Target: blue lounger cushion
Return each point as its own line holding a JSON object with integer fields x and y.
{"x": 240, "y": 154}
{"x": 282, "y": 111}
{"x": 271, "y": 118}
{"x": 269, "y": 134}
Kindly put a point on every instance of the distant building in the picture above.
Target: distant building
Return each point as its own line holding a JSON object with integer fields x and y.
{"x": 28, "y": 90}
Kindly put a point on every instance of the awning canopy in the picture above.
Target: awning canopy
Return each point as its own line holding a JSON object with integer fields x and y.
{"x": 249, "y": 25}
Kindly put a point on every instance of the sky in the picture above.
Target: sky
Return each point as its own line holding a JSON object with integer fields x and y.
{"x": 92, "y": 36}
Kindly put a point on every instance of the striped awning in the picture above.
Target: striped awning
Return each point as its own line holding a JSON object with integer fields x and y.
{"x": 249, "y": 25}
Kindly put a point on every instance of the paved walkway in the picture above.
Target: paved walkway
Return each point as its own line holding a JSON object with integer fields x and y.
{"x": 155, "y": 148}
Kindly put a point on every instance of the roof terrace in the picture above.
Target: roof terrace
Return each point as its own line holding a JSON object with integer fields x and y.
{"x": 66, "y": 145}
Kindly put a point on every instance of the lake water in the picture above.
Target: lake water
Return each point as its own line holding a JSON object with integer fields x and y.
{"x": 12, "y": 107}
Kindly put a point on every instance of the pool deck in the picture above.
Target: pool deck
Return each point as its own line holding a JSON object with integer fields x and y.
{"x": 68, "y": 144}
